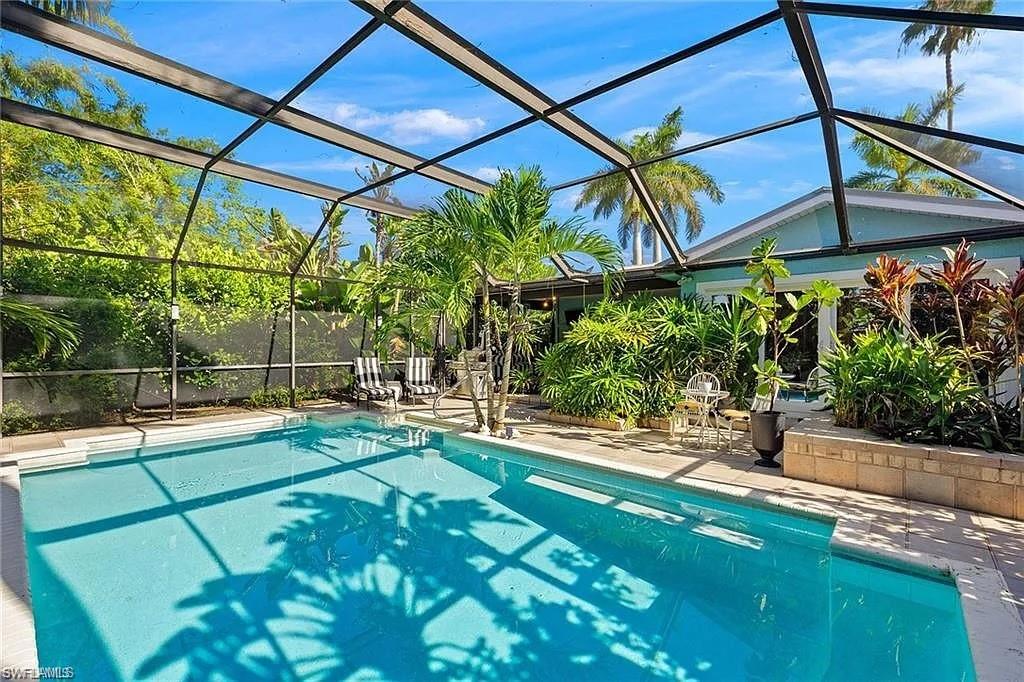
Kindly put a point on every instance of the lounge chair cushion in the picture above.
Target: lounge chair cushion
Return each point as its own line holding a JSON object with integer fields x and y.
{"x": 688, "y": 405}
{"x": 415, "y": 389}
{"x": 370, "y": 380}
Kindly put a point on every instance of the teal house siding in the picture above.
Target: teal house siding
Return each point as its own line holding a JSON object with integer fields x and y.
{"x": 810, "y": 223}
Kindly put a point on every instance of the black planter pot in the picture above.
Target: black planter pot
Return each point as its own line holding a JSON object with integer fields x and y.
{"x": 767, "y": 431}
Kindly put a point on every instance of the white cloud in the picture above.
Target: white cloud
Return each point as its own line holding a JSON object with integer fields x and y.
{"x": 1006, "y": 163}
{"x": 990, "y": 71}
{"x": 406, "y": 128}
{"x": 633, "y": 132}
{"x": 488, "y": 173}
{"x": 568, "y": 200}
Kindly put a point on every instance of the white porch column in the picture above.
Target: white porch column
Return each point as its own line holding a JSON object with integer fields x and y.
{"x": 828, "y": 326}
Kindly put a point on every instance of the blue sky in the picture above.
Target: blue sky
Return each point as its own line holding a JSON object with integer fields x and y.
{"x": 394, "y": 90}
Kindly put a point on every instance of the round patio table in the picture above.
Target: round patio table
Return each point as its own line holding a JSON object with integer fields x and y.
{"x": 706, "y": 401}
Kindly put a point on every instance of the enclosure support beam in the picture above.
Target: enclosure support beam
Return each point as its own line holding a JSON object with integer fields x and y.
{"x": 910, "y": 16}
{"x": 52, "y": 248}
{"x": 346, "y": 48}
{"x": 563, "y": 266}
{"x": 596, "y": 91}
{"x": 174, "y": 340}
{"x": 929, "y": 160}
{"x": 66, "y": 35}
{"x": 291, "y": 341}
{"x": 700, "y": 146}
{"x": 82, "y": 129}
{"x": 984, "y": 234}
{"x": 810, "y": 61}
{"x": 188, "y": 215}
{"x": 424, "y": 29}
{"x": 954, "y": 135}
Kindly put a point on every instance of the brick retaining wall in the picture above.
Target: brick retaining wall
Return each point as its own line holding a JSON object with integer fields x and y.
{"x": 989, "y": 482}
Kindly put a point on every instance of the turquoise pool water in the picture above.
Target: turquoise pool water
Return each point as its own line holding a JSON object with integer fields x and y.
{"x": 350, "y": 551}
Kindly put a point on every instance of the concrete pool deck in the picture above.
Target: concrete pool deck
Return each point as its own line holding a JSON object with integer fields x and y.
{"x": 985, "y": 553}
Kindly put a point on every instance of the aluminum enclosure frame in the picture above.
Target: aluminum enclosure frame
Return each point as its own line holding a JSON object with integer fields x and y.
{"x": 419, "y": 26}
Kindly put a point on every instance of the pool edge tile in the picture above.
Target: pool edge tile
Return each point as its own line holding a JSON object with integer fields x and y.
{"x": 995, "y": 631}
{"x": 17, "y": 621}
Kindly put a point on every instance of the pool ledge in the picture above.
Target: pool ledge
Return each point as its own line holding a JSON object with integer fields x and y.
{"x": 995, "y": 631}
{"x": 76, "y": 451}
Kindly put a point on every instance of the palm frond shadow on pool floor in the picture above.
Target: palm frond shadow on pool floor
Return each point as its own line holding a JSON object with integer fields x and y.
{"x": 407, "y": 589}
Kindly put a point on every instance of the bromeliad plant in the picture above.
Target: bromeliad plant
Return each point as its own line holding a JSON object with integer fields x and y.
{"x": 761, "y": 294}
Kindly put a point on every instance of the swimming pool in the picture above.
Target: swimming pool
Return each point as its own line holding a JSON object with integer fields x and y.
{"x": 351, "y": 551}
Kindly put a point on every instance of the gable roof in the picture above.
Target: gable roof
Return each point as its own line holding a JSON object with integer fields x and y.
{"x": 982, "y": 209}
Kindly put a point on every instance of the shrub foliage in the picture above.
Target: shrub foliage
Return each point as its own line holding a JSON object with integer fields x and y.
{"x": 632, "y": 358}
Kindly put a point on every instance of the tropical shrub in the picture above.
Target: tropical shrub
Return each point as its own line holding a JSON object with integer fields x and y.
{"x": 278, "y": 396}
{"x": 895, "y": 378}
{"x": 525, "y": 379}
{"x": 909, "y": 391}
{"x": 17, "y": 419}
{"x": 633, "y": 358}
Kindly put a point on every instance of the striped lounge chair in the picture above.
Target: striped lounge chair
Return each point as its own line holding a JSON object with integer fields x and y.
{"x": 418, "y": 383}
{"x": 370, "y": 382}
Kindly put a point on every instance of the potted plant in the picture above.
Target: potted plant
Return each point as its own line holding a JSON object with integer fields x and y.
{"x": 767, "y": 427}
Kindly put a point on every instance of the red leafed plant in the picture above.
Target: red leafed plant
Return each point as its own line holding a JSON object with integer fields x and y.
{"x": 956, "y": 275}
{"x": 1007, "y": 318}
{"x": 891, "y": 281}
{"x": 989, "y": 320}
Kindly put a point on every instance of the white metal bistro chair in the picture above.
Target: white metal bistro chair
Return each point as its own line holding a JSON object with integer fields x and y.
{"x": 370, "y": 382}
{"x": 703, "y": 391}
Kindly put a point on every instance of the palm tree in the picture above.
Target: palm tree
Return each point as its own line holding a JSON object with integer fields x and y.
{"x": 50, "y": 330}
{"x": 521, "y": 235}
{"x": 375, "y": 173}
{"x": 287, "y": 243}
{"x": 945, "y": 40}
{"x": 86, "y": 11}
{"x": 95, "y": 13}
{"x": 890, "y": 170}
{"x": 465, "y": 245}
{"x": 446, "y": 258}
{"x": 674, "y": 185}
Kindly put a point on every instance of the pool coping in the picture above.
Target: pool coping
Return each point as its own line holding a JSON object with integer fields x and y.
{"x": 994, "y": 628}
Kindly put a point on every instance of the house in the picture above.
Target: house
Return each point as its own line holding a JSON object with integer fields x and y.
{"x": 908, "y": 225}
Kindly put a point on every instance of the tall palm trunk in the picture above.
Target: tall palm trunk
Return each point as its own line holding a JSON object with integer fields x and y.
{"x": 638, "y": 246}
{"x": 378, "y": 241}
{"x": 949, "y": 91}
{"x": 506, "y": 365}
{"x": 488, "y": 352}
{"x": 657, "y": 249}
